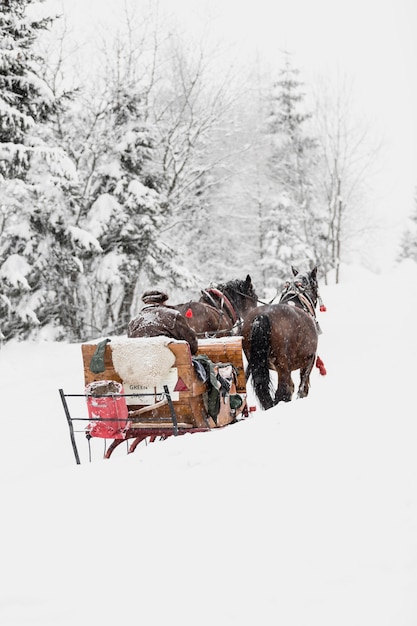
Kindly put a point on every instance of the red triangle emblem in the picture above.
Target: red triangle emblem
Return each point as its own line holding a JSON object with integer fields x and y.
{"x": 180, "y": 386}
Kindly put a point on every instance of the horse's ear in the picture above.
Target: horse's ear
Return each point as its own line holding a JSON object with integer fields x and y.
{"x": 313, "y": 272}
{"x": 248, "y": 280}
{"x": 294, "y": 270}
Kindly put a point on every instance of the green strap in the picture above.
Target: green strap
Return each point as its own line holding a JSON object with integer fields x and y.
{"x": 97, "y": 360}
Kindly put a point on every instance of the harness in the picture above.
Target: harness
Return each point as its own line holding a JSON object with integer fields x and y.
{"x": 216, "y": 333}
{"x": 293, "y": 291}
{"x": 225, "y": 303}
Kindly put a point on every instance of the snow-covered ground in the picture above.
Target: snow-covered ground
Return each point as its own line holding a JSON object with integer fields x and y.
{"x": 301, "y": 515}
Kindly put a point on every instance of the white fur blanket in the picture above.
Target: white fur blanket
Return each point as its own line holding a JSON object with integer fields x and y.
{"x": 143, "y": 361}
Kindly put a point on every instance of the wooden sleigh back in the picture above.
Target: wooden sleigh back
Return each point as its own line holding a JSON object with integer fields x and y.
{"x": 148, "y": 408}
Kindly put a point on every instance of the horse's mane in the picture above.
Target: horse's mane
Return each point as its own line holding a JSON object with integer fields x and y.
{"x": 237, "y": 287}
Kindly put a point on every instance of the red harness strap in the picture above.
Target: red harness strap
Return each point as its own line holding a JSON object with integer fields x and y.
{"x": 226, "y": 302}
{"x": 304, "y": 300}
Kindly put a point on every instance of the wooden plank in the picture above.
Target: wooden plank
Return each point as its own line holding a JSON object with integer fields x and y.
{"x": 226, "y": 350}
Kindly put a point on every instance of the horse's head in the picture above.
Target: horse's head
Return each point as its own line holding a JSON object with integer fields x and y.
{"x": 303, "y": 284}
{"x": 241, "y": 294}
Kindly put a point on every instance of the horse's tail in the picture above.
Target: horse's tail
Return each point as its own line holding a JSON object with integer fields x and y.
{"x": 258, "y": 361}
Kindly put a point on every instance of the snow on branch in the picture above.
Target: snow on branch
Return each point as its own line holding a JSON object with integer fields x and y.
{"x": 15, "y": 269}
{"x": 11, "y": 114}
{"x": 6, "y": 300}
{"x": 39, "y": 85}
{"x": 141, "y": 195}
{"x": 84, "y": 239}
{"x": 12, "y": 153}
{"x": 101, "y": 213}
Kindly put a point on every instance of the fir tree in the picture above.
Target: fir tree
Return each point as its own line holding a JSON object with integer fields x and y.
{"x": 121, "y": 203}
{"x": 33, "y": 177}
{"x": 408, "y": 249}
{"x": 289, "y": 219}
{"x": 24, "y": 99}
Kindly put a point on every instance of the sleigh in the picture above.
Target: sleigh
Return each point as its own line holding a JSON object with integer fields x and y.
{"x": 145, "y": 389}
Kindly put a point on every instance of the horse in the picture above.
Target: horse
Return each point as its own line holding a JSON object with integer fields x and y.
{"x": 283, "y": 337}
{"x": 221, "y": 308}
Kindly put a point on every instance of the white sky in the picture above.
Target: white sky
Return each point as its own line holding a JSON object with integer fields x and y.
{"x": 303, "y": 514}
{"x": 371, "y": 42}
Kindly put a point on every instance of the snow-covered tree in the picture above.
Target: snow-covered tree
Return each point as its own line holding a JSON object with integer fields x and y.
{"x": 119, "y": 200}
{"x": 192, "y": 107}
{"x": 110, "y": 132}
{"x": 347, "y": 158}
{"x": 175, "y": 112}
{"x": 34, "y": 174}
{"x": 290, "y": 220}
{"x": 408, "y": 245}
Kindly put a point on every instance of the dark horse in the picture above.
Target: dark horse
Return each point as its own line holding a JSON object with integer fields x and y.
{"x": 221, "y": 308}
{"x": 283, "y": 337}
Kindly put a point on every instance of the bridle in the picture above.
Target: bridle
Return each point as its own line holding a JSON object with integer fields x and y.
{"x": 302, "y": 290}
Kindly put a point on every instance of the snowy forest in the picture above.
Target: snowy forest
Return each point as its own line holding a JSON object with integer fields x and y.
{"x": 153, "y": 163}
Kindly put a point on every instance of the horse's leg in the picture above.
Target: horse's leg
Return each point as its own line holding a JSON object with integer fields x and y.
{"x": 285, "y": 387}
{"x": 305, "y": 372}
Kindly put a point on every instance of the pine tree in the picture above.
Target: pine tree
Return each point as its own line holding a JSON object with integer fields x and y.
{"x": 24, "y": 100}
{"x": 408, "y": 248}
{"x": 289, "y": 219}
{"x": 33, "y": 177}
{"x": 121, "y": 202}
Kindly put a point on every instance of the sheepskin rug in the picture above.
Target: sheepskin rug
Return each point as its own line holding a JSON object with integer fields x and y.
{"x": 144, "y": 361}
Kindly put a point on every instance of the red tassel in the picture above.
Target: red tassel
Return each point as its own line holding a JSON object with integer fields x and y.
{"x": 320, "y": 365}
{"x": 323, "y": 308}
{"x": 188, "y": 313}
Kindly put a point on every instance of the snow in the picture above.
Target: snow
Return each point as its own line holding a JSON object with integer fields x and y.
{"x": 15, "y": 269}
{"x": 84, "y": 238}
{"x": 301, "y": 515}
{"x": 101, "y": 213}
